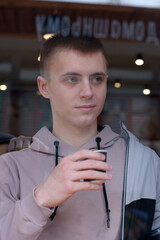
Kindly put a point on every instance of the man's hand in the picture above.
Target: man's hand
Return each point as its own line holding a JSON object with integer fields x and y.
{"x": 67, "y": 178}
{"x": 18, "y": 143}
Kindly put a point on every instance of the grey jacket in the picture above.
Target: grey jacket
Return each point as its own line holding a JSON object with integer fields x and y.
{"x": 141, "y": 191}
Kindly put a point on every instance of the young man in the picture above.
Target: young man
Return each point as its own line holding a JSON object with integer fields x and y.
{"x": 48, "y": 191}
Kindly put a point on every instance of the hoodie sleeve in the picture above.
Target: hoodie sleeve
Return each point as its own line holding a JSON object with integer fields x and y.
{"x": 20, "y": 219}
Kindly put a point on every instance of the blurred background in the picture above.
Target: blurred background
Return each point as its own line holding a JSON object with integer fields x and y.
{"x": 129, "y": 30}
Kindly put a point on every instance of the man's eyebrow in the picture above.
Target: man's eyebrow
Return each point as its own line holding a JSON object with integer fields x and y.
{"x": 99, "y": 73}
{"x": 77, "y": 74}
{"x": 71, "y": 73}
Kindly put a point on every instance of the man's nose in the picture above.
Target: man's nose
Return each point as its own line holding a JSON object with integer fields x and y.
{"x": 86, "y": 89}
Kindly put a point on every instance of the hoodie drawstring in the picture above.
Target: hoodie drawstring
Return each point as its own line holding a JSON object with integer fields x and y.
{"x": 56, "y": 144}
{"x": 98, "y": 140}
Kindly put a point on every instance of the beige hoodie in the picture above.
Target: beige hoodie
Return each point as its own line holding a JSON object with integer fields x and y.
{"x": 83, "y": 216}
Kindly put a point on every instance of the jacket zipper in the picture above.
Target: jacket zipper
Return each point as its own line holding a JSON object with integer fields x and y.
{"x": 125, "y": 179}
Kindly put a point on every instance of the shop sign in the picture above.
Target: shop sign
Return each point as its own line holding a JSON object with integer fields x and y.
{"x": 102, "y": 28}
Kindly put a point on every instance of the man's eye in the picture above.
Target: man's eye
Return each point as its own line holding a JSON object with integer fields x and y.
{"x": 72, "y": 79}
{"x": 97, "y": 79}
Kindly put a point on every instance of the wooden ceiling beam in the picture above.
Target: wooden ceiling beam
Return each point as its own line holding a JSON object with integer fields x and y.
{"x": 68, "y": 5}
{"x": 18, "y": 17}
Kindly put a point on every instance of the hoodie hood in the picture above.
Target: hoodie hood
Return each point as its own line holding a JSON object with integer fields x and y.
{"x": 43, "y": 141}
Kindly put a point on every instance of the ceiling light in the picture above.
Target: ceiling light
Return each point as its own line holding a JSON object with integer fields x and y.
{"x": 117, "y": 83}
{"x": 51, "y": 25}
{"x": 39, "y": 57}
{"x": 48, "y": 35}
{"x": 146, "y": 91}
{"x": 3, "y": 87}
{"x": 139, "y": 60}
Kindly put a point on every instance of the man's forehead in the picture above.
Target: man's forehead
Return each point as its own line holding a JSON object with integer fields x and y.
{"x": 69, "y": 60}
{"x": 62, "y": 50}
{"x": 67, "y": 54}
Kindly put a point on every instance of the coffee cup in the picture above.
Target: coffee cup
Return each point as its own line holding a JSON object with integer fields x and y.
{"x": 98, "y": 181}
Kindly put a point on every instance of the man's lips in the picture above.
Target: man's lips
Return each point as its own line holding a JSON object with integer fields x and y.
{"x": 86, "y": 108}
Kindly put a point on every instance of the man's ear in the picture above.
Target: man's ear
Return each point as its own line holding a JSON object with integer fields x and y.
{"x": 43, "y": 86}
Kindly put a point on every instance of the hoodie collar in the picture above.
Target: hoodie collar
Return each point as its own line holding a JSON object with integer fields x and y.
{"x": 43, "y": 141}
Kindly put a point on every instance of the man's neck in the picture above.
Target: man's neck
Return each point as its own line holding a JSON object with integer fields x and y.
{"x": 75, "y": 137}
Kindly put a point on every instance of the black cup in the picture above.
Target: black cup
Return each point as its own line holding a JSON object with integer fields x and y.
{"x": 97, "y": 181}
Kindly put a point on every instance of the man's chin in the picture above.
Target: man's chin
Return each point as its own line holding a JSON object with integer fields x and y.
{"x": 86, "y": 123}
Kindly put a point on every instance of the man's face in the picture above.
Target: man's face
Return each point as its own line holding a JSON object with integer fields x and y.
{"x": 76, "y": 87}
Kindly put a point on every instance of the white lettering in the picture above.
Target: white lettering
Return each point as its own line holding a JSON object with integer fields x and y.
{"x": 128, "y": 30}
{"x": 115, "y": 29}
{"x": 87, "y": 26}
{"x": 65, "y": 26}
{"x": 39, "y": 25}
{"x": 101, "y": 28}
{"x": 152, "y": 33}
{"x": 53, "y": 24}
{"x": 97, "y": 27}
{"x": 139, "y": 31}
{"x": 76, "y": 27}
